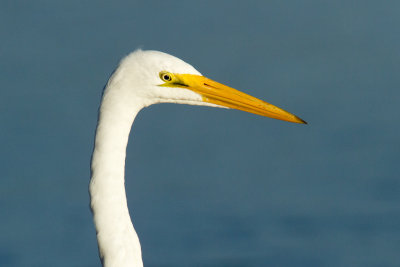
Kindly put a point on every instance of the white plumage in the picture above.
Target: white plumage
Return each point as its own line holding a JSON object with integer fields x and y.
{"x": 144, "y": 78}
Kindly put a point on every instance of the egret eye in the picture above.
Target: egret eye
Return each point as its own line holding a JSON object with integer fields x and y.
{"x": 166, "y": 76}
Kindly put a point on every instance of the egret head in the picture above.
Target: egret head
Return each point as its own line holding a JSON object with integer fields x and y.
{"x": 156, "y": 77}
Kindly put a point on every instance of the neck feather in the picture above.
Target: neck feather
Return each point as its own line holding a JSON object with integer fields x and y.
{"x": 118, "y": 242}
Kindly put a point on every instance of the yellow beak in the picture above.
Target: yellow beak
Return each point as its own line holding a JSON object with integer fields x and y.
{"x": 219, "y": 94}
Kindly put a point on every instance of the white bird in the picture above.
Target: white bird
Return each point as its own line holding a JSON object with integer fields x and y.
{"x": 144, "y": 78}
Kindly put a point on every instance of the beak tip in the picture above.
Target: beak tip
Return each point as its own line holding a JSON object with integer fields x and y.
{"x": 304, "y": 122}
{"x": 301, "y": 121}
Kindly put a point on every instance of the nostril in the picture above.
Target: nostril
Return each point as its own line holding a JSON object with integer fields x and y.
{"x": 206, "y": 84}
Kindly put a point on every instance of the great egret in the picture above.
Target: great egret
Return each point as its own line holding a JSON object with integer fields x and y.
{"x": 141, "y": 79}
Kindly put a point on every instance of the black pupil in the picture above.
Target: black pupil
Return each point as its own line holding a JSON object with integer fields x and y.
{"x": 166, "y": 77}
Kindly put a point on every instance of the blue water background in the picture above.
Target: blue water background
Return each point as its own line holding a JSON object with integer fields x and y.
{"x": 207, "y": 187}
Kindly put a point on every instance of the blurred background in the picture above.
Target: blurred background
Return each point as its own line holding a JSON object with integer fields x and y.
{"x": 207, "y": 187}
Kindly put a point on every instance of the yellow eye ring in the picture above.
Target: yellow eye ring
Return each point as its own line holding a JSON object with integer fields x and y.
{"x": 166, "y": 76}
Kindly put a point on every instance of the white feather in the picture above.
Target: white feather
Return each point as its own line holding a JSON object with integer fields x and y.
{"x": 133, "y": 86}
